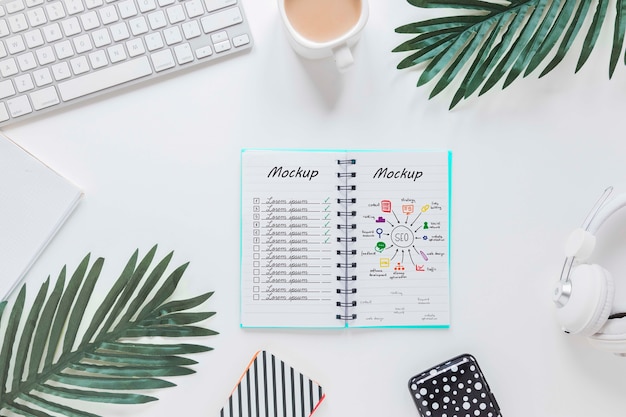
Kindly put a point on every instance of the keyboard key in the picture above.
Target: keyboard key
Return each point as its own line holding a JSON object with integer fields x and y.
{"x": 17, "y": 23}
{"x": 79, "y": 65}
{"x": 241, "y": 40}
{"x": 82, "y": 44}
{"x": 26, "y": 61}
{"x": 191, "y": 29}
{"x": 52, "y": 32}
{"x": 127, "y": 9}
{"x": 222, "y": 46}
{"x": 194, "y": 8}
{"x": 135, "y": 47}
{"x": 219, "y": 37}
{"x": 61, "y": 71}
{"x": 212, "y": 5}
{"x": 90, "y": 20}
{"x": 119, "y": 31}
{"x": 175, "y": 14}
{"x": 154, "y": 41}
{"x": 162, "y": 60}
{"x": 101, "y": 37}
{"x": 34, "y": 38}
{"x": 98, "y": 59}
{"x": 45, "y": 55}
{"x": 104, "y": 78}
{"x": 204, "y": 51}
{"x": 24, "y": 83}
{"x": 116, "y": 53}
{"x": 64, "y": 49}
{"x": 73, "y": 6}
{"x": 157, "y": 20}
{"x": 71, "y": 26}
{"x": 8, "y": 67}
{"x": 4, "y": 28}
{"x": 45, "y": 97}
{"x": 4, "y": 114}
{"x": 15, "y": 6}
{"x": 91, "y": 4}
{"x": 183, "y": 54}
{"x": 42, "y": 77}
{"x": 172, "y": 35}
{"x": 37, "y": 17}
{"x": 221, "y": 20}
{"x": 146, "y": 5}
{"x": 55, "y": 11}
{"x": 108, "y": 15}
{"x": 6, "y": 89}
{"x": 19, "y": 106}
{"x": 138, "y": 26}
{"x": 15, "y": 44}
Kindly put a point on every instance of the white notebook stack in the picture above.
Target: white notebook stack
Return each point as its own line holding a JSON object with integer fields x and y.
{"x": 34, "y": 202}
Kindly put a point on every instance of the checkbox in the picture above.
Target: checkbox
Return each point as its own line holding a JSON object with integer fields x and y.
{"x": 256, "y": 288}
{"x": 256, "y": 264}
{"x": 256, "y": 256}
{"x": 256, "y": 248}
{"x": 255, "y": 297}
{"x": 256, "y": 280}
{"x": 256, "y": 272}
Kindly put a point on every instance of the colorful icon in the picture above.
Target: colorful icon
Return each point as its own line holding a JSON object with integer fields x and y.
{"x": 398, "y": 267}
{"x": 425, "y": 208}
{"x": 408, "y": 209}
{"x": 419, "y": 268}
{"x": 424, "y": 255}
{"x": 380, "y": 219}
{"x": 380, "y": 232}
{"x": 424, "y": 237}
{"x": 385, "y": 262}
{"x": 385, "y": 205}
{"x": 380, "y": 246}
{"x": 425, "y": 225}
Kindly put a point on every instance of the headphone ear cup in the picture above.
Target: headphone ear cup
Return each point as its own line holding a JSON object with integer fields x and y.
{"x": 590, "y": 301}
{"x": 611, "y": 337}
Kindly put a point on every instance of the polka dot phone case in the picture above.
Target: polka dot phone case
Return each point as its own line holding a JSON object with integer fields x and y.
{"x": 455, "y": 388}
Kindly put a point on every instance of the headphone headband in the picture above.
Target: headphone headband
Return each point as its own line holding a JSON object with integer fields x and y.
{"x": 606, "y": 210}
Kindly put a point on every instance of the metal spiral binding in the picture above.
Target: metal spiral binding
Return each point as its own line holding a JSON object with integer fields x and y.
{"x": 347, "y": 215}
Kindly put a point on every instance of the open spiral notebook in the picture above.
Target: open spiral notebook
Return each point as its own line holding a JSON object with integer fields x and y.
{"x": 34, "y": 202}
{"x": 345, "y": 238}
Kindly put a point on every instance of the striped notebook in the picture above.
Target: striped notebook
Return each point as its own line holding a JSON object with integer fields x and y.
{"x": 271, "y": 388}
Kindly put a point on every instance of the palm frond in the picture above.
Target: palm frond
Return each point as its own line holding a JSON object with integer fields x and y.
{"x": 496, "y": 42}
{"x": 46, "y": 359}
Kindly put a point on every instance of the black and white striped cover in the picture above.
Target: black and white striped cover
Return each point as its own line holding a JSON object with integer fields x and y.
{"x": 271, "y": 388}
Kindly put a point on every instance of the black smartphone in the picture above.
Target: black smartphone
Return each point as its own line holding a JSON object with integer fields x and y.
{"x": 454, "y": 388}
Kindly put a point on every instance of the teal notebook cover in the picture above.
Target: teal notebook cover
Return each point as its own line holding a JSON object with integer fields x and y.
{"x": 345, "y": 238}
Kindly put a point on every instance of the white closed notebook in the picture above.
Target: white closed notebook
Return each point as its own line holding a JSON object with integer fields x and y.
{"x": 34, "y": 202}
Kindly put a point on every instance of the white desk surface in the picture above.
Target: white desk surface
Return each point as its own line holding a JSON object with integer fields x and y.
{"x": 160, "y": 164}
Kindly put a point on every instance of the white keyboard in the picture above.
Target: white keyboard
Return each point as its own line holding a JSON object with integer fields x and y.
{"x": 57, "y": 52}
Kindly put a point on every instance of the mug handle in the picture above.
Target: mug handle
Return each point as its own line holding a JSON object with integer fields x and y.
{"x": 343, "y": 58}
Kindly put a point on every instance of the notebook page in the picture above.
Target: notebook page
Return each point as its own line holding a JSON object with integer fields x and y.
{"x": 34, "y": 202}
{"x": 403, "y": 238}
{"x": 288, "y": 239}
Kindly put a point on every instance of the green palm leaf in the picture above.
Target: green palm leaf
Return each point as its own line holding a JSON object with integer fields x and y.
{"x": 53, "y": 360}
{"x": 492, "y": 42}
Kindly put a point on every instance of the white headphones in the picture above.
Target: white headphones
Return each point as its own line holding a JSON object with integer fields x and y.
{"x": 584, "y": 295}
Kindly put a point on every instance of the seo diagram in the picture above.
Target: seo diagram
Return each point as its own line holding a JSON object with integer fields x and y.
{"x": 405, "y": 237}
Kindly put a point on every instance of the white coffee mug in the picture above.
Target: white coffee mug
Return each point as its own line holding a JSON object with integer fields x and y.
{"x": 338, "y": 47}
